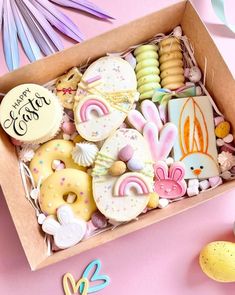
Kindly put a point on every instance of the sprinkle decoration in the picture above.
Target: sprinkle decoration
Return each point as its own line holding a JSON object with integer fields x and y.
{"x": 83, "y": 285}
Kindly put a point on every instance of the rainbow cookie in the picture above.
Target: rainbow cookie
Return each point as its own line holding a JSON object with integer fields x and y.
{"x": 60, "y": 184}
{"x": 105, "y": 94}
{"x": 122, "y": 198}
{"x": 57, "y": 149}
{"x": 66, "y": 87}
{"x": 31, "y": 114}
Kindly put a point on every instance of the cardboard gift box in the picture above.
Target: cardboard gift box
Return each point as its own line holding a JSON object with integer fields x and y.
{"x": 219, "y": 82}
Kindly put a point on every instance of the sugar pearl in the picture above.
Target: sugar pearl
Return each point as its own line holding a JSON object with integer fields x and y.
{"x": 163, "y": 203}
{"x": 68, "y": 128}
{"x": 204, "y": 185}
{"x": 192, "y": 191}
{"x": 126, "y": 153}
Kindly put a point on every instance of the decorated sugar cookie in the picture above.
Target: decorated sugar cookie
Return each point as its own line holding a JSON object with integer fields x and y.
{"x": 171, "y": 63}
{"x": 41, "y": 165}
{"x": 66, "y": 87}
{"x": 30, "y": 113}
{"x": 196, "y": 144}
{"x": 59, "y": 185}
{"x": 123, "y": 196}
{"x": 105, "y": 95}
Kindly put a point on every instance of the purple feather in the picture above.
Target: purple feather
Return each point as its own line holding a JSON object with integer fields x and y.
{"x": 58, "y": 19}
{"x": 40, "y": 35}
{"x": 10, "y": 43}
{"x": 84, "y": 5}
{"x": 28, "y": 42}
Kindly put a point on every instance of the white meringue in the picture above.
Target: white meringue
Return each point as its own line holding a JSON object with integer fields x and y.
{"x": 226, "y": 161}
{"x": 84, "y": 153}
{"x": 26, "y": 154}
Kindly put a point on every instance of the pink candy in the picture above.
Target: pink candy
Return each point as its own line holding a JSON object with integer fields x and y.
{"x": 68, "y": 128}
{"x": 98, "y": 220}
{"x": 126, "y": 153}
{"x": 215, "y": 181}
{"x": 218, "y": 120}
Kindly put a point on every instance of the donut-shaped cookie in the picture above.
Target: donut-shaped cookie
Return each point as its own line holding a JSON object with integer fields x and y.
{"x": 171, "y": 63}
{"x": 57, "y": 149}
{"x": 122, "y": 198}
{"x": 105, "y": 95}
{"x": 58, "y": 185}
{"x": 147, "y": 70}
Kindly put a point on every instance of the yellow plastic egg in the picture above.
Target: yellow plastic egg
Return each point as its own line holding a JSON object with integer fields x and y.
{"x": 217, "y": 261}
{"x": 117, "y": 168}
{"x": 222, "y": 129}
{"x": 153, "y": 200}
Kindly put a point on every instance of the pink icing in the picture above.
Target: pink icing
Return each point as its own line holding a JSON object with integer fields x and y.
{"x": 92, "y": 102}
{"x": 135, "y": 179}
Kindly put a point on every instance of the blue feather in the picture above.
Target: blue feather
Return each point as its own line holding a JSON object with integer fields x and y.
{"x": 10, "y": 42}
{"x": 28, "y": 42}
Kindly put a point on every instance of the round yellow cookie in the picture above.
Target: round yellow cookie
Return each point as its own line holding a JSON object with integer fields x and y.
{"x": 172, "y": 71}
{"x": 169, "y": 41}
{"x": 172, "y": 79}
{"x": 171, "y": 64}
{"x": 169, "y": 48}
{"x": 170, "y": 56}
{"x": 58, "y": 185}
{"x": 57, "y": 149}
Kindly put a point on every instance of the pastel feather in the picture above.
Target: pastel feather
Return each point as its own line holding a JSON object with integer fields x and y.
{"x": 29, "y": 44}
{"x": 58, "y": 19}
{"x": 10, "y": 43}
{"x": 84, "y": 6}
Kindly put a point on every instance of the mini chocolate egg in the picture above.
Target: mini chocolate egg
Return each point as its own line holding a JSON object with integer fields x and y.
{"x": 222, "y": 129}
{"x": 126, "y": 153}
{"x": 68, "y": 128}
{"x": 194, "y": 74}
{"x": 135, "y": 164}
{"x": 117, "y": 168}
{"x": 99, "y": 220}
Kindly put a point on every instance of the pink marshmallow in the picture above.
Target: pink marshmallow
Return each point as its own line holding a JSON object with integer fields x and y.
{"x": 215, "y": 181}
{"x": 218, "y": 120}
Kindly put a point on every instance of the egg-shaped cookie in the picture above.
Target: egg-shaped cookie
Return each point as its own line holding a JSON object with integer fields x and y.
{"x": 147, "y": 70}
{"x": 123, "y": 197}
{"x": 171, "y": 63}
{"x": 105, "y": 95}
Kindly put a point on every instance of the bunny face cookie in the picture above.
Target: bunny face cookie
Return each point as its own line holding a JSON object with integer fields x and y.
{"x": 105, "y": 95}
{"x": 68, "y": 230}
{"x": 196, "y": 144}
{"x": 169, "y": 184}
{"x": 123, "y": 197}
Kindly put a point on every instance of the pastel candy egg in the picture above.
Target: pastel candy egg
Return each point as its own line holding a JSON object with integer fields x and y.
{"x": 117, "y": 168}
{"x": 153, "y": 200}
{"x": 135, "y": 164}
{"x": 68, "y": 128}
{"x": 217, "y": 261}
{"x": 126, "y": 153}
{"x": 228, "y": 138}
{"x": 163, "y": 203}
{"x": 98, "y": 220}
{"x": 222, "y": 129}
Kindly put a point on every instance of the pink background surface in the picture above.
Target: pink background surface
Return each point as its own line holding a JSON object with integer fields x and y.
{"x": 162, "y": 259}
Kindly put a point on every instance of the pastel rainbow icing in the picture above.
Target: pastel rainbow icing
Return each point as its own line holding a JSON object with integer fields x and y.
{"x": 129, "y": 181}
{"x": 90, "y": 105}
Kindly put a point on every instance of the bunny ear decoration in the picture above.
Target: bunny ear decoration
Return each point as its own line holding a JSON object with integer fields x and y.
{"x": 50, "y": 226}
{"x": 177, "y": 171}
{"x": 65, "y": 214}
{"x": 151, "y": 114}
{"x": 161, "y": 170}
{"x": 137, "y": 120}
{"x": 160, "y": 148}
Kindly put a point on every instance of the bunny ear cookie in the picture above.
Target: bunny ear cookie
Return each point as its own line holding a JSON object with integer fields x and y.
{"x": 196, "y": 144}
{"x": 105, "y": 95}
{"x": 122, "y": 198}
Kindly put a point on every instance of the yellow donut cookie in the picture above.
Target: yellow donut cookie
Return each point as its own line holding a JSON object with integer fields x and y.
{"x": 169, "y": 48}
{"x": 169, "y": 41}
{"x": 57, "y": 149}
{"x": 171, "y": 55}
{"x": 172, "y": 71}
{"x": 174, "y": 86}
{"x": 171, "y": 64}
{"x": 172, "y": 79}
{"x": 58, "y": 185}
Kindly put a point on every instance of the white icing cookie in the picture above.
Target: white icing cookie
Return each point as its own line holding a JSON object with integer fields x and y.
{"x": 105, "y": 94}
{"x": 122, "y": 198}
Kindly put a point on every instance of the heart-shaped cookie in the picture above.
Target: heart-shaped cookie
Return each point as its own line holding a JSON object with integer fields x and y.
{"x": 71, "y": 286}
